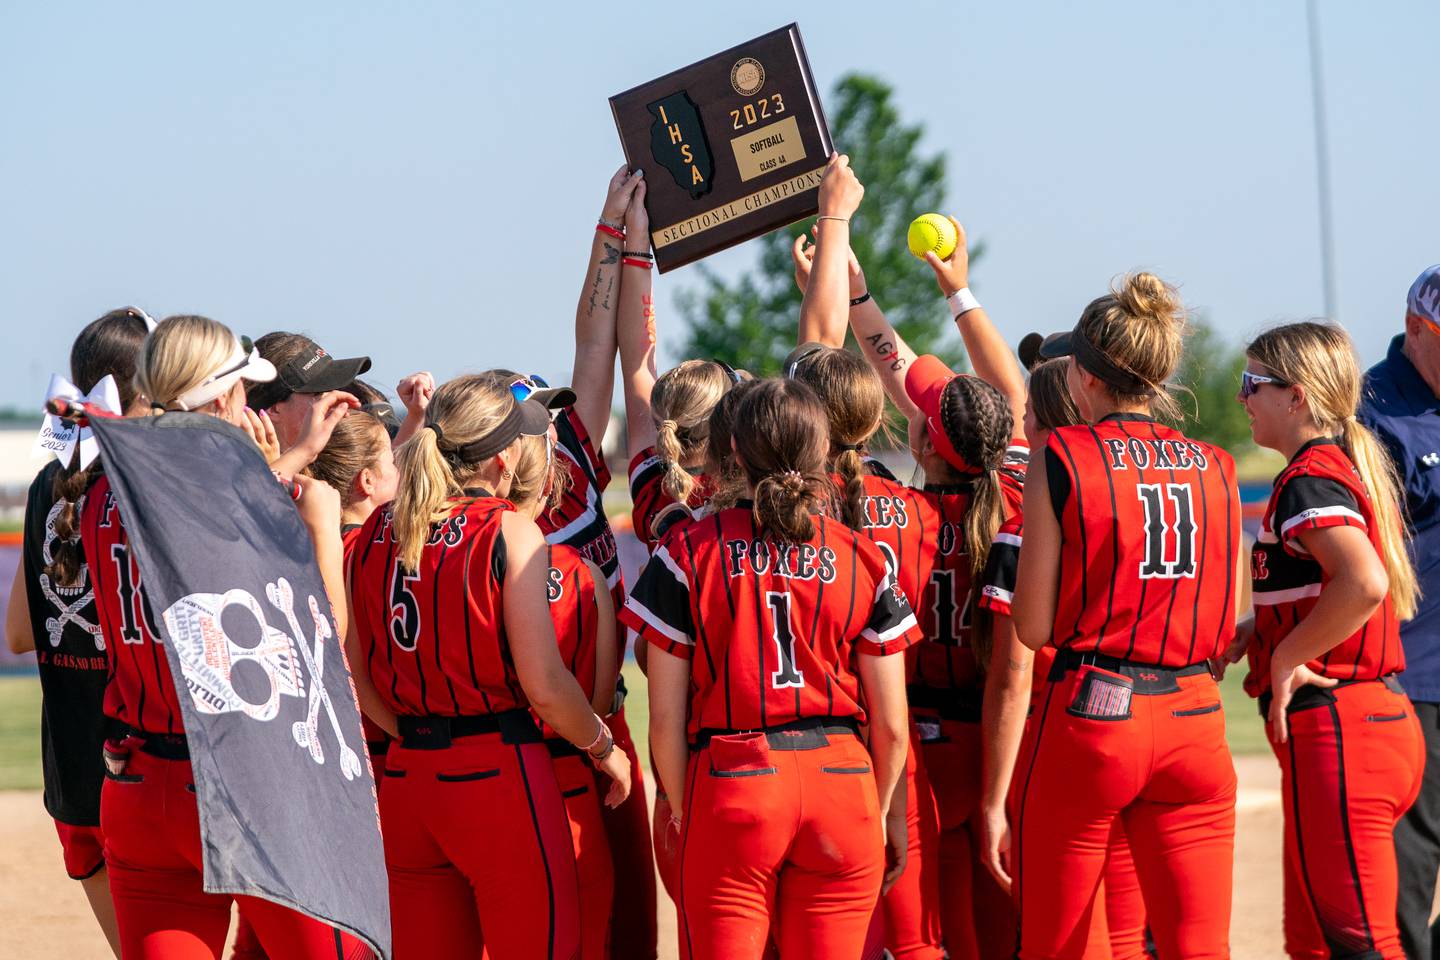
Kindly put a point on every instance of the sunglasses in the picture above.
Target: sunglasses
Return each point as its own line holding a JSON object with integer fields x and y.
{"x": 729, "y": 370}
{"x": 523, "y": 387}
{"x": 799, "y": 361}
{"x": 1252, "y": 382}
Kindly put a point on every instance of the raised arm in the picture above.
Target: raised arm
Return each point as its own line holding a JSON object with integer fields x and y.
{"x": 593, "y": 377}
{"x": 880, "y": 343}
{"x": 635, "y": 330}
{"x": 827, "y": 299}
{"x": 990, "y": 355}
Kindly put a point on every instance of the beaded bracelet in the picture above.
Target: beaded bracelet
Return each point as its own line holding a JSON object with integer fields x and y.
{"x": 612, "y": 224}
{"x": 860, "y": 299}
{"x": 642, "y": 254}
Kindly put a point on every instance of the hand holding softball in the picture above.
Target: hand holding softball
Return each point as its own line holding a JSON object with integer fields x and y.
{"x": 952, "y": 271}
{"x": 840, "y": 190}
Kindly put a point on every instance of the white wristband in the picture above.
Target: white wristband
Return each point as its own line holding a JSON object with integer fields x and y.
{"x": 962, "y": 301}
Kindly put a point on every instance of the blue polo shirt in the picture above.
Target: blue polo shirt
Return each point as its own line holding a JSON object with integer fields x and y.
{"x": 1402, "y": 410}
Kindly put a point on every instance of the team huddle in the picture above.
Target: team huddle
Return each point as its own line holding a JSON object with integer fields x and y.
{"x": 970, "y": 716}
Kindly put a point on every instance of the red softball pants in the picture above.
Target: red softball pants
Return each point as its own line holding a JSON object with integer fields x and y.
{"x": 1155, "y": 759}
{"x": 779, "y": 828}
{"x": 907, "y": 922}
{"x": 1350, "y": 769}
{"x": 478, "y": 848}
{"x": 977, "y": 914}
{"x": 595, "y": 871}
{"x": 632, "y": 918}
{"x": 151, "y": 824}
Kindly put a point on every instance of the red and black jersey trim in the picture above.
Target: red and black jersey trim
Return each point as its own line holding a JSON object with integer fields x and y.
{"x": 658, "y": 608}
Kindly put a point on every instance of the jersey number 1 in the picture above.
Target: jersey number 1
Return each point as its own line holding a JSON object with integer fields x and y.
{"x": 787, "y": 675}
{"x": 1158, "y": 531}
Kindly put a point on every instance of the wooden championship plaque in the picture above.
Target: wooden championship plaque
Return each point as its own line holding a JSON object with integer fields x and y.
{"x": 732, "y": 146}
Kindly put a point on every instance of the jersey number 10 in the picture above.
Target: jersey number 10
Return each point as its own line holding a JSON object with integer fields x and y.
{"x": 1162, "y": 561}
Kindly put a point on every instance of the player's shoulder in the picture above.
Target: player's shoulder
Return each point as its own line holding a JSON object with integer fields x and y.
{"x": 645, "y": 465}
{"x": 1322, "y": 459}
{"x": 565, "y": 558}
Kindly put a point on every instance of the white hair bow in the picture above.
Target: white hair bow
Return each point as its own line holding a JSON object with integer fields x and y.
{"x": 59, "y": 437}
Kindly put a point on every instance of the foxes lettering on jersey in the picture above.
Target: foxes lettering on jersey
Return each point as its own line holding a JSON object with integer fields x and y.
{"x": 141, "y": 692}
{"x": 772, "y": 632}
{"x": 654, "y": 509}
{"x": 1151, "y": 523}
{"x": 1318, "y": 489}
{"x": 579, "y": 521}
{"x": 1355, "y": 755}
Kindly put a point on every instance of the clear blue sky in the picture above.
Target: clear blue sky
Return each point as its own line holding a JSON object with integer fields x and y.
{"x": 418, "y": 180}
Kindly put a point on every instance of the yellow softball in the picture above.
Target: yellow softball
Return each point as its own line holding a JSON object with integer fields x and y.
{"x": 930, "y": 231}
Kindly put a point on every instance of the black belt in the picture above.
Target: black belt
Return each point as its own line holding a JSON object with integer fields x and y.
{"x": 377, "y": 748}
{"x": 1150, "y": 679}
{"x": 437, "y": 733}
{"x": 962, "y": 704}
{"x": 166, "y": 746}
{"x": 807, "y": 733}
{"x": 560, "y": 747}
{"x": 1311, "y": 697}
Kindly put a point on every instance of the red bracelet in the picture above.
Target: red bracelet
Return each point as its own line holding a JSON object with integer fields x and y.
{"x": 606, "y": 228}
{"x": 633, "y": 262}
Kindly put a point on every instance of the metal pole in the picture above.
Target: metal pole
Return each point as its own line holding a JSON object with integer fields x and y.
{"x": 1322, "y": 161}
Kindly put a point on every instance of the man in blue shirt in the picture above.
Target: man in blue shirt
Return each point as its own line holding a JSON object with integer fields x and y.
{"x": 1401, "y": 404}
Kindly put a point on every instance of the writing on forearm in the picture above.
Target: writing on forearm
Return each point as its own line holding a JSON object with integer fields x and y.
{"x": 594, "y": 293}
{"x": 609, "y": 286}
{"x": 885, "y": 351}
{"x": 648, "y": 301}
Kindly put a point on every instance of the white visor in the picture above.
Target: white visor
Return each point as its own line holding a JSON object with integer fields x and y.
{"x": 239, "y": 365}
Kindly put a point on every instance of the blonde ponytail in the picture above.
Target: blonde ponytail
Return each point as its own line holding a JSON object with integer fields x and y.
{"x": 423, "y": 495}
{"x": 1377, "y": 471}
{"x": 676, "y": 482}
{"x": 463, "y": 410}
{"x": 1321, "y": 358}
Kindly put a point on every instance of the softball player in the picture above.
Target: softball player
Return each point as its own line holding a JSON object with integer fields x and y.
{"x": 448, "y": 586}
{"x": 1014, "y": 687}
{"x": 148, "y": 812}
{"x": 53, "y": 599}
{"x": 1130, "y": 568}
{"x": 1331, "y": 579}
{"x": 580, "y": 522}
{"x": 769, "y": 619}
{"x": 962, "y": 432}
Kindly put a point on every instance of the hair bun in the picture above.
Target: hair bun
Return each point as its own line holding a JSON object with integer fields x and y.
{"x": 1029, "y": 350}
{"x": 1146, "y": 295}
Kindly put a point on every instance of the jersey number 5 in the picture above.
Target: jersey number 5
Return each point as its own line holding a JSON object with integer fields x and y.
{"x": 787, "y": 675}
{"x": 404, "y": 608}
{"x": 1157, "y": 564}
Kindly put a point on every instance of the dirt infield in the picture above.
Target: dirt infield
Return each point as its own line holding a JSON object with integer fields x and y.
{"x": 43, "y": 913}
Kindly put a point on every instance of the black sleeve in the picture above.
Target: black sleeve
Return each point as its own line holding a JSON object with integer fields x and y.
{"x": 658, "y": 607}
{"x": 1310, "y": 503}
{"x": 1059, "y": 481}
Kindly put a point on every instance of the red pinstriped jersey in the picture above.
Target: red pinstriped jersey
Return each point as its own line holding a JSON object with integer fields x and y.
{"x": 141, "y": 691}
{"x": 946, "y": 660}
{"x": 772, "y": 630}
{"x": 570, "y": 588}
{"x": 349, "y": 537}
{"x": 1320, "y": 488}
{"x": 903, "y": 523}
{"x": 997, "y": 593}
{"x": 580, "y": 520}
{"x": 434, "y": 637}
{"x": 651, "y": 502}
{"x": 1150, "y": 531}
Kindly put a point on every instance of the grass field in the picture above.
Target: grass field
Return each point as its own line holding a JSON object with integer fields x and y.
{"x": 20, "y": 724}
